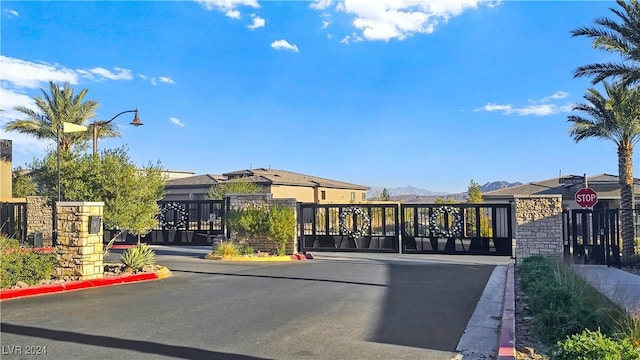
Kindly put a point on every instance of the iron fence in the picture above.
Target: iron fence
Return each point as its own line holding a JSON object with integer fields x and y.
{"x": 13, "y": 220}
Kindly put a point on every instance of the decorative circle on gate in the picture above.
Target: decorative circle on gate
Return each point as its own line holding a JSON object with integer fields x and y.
{"x": 365, "y": 222}
{"x": 456, "y": 224}
{"x": 181, "y": 216}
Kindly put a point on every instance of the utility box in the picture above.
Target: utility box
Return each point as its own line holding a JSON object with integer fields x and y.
{"x": 35, "y": 239}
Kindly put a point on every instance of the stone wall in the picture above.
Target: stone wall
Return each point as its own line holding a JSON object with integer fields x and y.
{"x": 266, "y": 200}
{"x": 40, "y": 217}
{"x": 538, "y": 226}
{"x": 79, "y": 252}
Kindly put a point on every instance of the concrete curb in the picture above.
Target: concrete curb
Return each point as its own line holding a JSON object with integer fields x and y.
{"x": 507, "y": 347}
{"x": 82, "y": 284}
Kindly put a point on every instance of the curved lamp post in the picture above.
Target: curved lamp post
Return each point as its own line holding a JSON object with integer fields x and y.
{"x": 136, "y": 122}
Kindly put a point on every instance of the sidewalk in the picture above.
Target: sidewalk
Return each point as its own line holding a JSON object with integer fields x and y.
{"x": 620, "y": 286}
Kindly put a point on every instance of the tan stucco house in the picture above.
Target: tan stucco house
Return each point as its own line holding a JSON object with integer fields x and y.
{"x": 279, "y": 183}
{"x": 605, "y": 185}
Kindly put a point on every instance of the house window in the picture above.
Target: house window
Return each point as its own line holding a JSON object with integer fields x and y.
{"x": 353, "y": 196}
{"x": 364, "y": 196}
{"x": 323, "y": 195}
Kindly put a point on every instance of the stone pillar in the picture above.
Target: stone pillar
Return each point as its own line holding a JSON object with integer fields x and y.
{"x": 40, "y": 218}
{"x": 79, "y": 246}
{"x": 538, "y": 226}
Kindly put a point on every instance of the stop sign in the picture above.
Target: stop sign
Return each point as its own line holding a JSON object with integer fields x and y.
{"x": 586, "y": 198}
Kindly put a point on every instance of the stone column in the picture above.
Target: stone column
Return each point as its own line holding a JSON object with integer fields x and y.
{"x": 79, "y": 247}
{"x": 538, "y": 226}
{"x": 40, "y": 217}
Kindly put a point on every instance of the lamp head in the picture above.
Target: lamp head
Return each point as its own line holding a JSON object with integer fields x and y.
{"x": 136, "y": 120}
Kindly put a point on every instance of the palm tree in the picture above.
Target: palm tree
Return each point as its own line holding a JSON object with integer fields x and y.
{"x": 621, "y": 38}
{"x": 58, "y": 106}
{"x": 615, "y": 118}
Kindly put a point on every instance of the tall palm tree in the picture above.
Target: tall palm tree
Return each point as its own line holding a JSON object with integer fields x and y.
{"x": 615, "y": 118}
{"x": 621, "y": 38}
{"x": 58, "y": 106}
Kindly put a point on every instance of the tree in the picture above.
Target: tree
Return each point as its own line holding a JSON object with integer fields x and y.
{"x": 384, "y": 195}
{"x": 474, "y": 192}
{"x": 130, "y": 194}
{"x": 220, "y": 191}
{"x": 621, "y": 38}
{"x": 446, "y": 201}
{"x": 23, "y": 184}
{"x": 60, "y": 105}
{"x": 615, "y": 118}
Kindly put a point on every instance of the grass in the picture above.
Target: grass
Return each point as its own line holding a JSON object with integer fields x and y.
{"x": 564, "y": 305}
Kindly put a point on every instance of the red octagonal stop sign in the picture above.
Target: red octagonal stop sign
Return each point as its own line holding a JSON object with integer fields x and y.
{"x": 586, "y": 198}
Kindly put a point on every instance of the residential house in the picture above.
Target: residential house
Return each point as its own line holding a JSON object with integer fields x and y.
{"x": 280, "y": 183}
{"x": 606, "y": 186}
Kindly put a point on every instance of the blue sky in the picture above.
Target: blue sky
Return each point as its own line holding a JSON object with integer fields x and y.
{"x": 424, "y": 93}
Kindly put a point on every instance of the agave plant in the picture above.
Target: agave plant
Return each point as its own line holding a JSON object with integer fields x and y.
{"x": 136, "y": 258}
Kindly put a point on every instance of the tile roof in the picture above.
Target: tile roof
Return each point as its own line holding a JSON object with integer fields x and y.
{"x": 282, "y": 177}
{"x": 206, "y": 179}
{"x": 605, "y": 184}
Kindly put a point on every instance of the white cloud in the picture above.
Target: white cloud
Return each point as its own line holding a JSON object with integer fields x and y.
{"x": 102, "y": 73}
{"x": 536, "y": 110}
{"x": 26, "y": 74}
{"x": 284, "y": 45}
{"x": 228, "y": 7}
{"x": 320, "y": 4}
{"x": 11, "y": 12}
{"x": 351, "y": 38}
{"x": 325, "y": 24}
{"x": 556, "y": 96}
{"x": 166, "y": 80}
{"x": 142, "y": 76}
{"x": 177, "y": 121}
{"x": 398, "y": 19}
{"x": 10, "y": 98}
{"x": 258, "y": 22}
{"x": 154, "y": 81}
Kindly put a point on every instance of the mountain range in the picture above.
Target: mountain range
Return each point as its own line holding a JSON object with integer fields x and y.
{"x": 411, "y": 194}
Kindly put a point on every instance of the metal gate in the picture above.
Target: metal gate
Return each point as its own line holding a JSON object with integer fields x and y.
{"x": 592, "y": 236}
{"x": 409, "y": 228}
{"x": 13, "y": 220}
{"x": 193, "y": 222}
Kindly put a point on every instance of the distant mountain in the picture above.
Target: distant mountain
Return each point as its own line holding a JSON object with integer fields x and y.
{"x": 411, "y": 194}
{"x": 497, "y": 185}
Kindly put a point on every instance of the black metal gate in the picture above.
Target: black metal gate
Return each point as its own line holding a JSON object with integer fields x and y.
{"x": 13, "y": 220}
{"x": 349, "y": 227}
{"x": 592, "y": 236}
{"x": 193, "y": 222}
{"x": 413, "y": 228}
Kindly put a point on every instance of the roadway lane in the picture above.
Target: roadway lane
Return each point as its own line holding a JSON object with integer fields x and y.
{"x": 346, "y": 308}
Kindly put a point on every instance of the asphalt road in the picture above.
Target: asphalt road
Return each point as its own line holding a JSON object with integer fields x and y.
{"x": 359, "y": 307}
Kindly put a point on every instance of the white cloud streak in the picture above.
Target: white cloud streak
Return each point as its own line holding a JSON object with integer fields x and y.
{"x": 538, "y": 108}
{"x": 102, "y": 73}
{"x": 177, "y": 121}
{"x": 325, "y": 24}
{"x": 228, "y": 7}
{"x": 284, "y": 45}
{"x": 166, "y": 80}
{"x": 11, "y": 12}
{"x": 398, "y": 19}
{"x": 258, "y": 22}
{"x": 27, "y": 74}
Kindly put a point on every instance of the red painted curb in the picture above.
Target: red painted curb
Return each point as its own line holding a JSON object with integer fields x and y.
{"x": 75, "y": 285}
{"x": 507, "y": 348}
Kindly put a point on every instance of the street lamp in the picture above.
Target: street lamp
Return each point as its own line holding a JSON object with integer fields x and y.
{"x": 136, "y": 122}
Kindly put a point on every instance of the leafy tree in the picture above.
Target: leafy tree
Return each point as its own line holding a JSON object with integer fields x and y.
{"x": 621, "y": 38}
{"x": 60, "y": 105}
{"x": 616, "y": 118}
{"x": 23, "y": 184}
{"x": 446, "y": 201}
{"x": 220, "y": 191}
{"x": 384, "y": 195}
{"x": 474, "y": 193}
{"x": 130, "y": 194}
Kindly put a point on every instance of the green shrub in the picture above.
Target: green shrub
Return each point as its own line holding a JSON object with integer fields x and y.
{"x": 594, "y": 345}
{"x": 136, "y": 258}
{"x": 8, "y": 243}
{"x": 227, "y": 248}
{"x": 247, "y": 249}
{"x": 251, "y": 222}
{"x": 25, "y": 266}
{"x": 282, "y": 227}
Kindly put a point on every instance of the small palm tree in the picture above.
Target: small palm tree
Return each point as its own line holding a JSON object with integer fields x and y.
{"x": 621, "y": 38}
{"x": 58, "y": 106}
{"x": 615, "y": 118}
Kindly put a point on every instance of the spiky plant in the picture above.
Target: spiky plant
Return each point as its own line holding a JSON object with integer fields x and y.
{"x": 227, "y": 248}
{"x": 135, "y": 258}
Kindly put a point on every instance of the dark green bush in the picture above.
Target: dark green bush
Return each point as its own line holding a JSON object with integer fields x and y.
{"x": 26, "y": 266}
{"x": 594, "y": 345}
{"x": 277, "y": 224}
{"x": 282, "y": 227}
{"x": 8, "y": 243}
